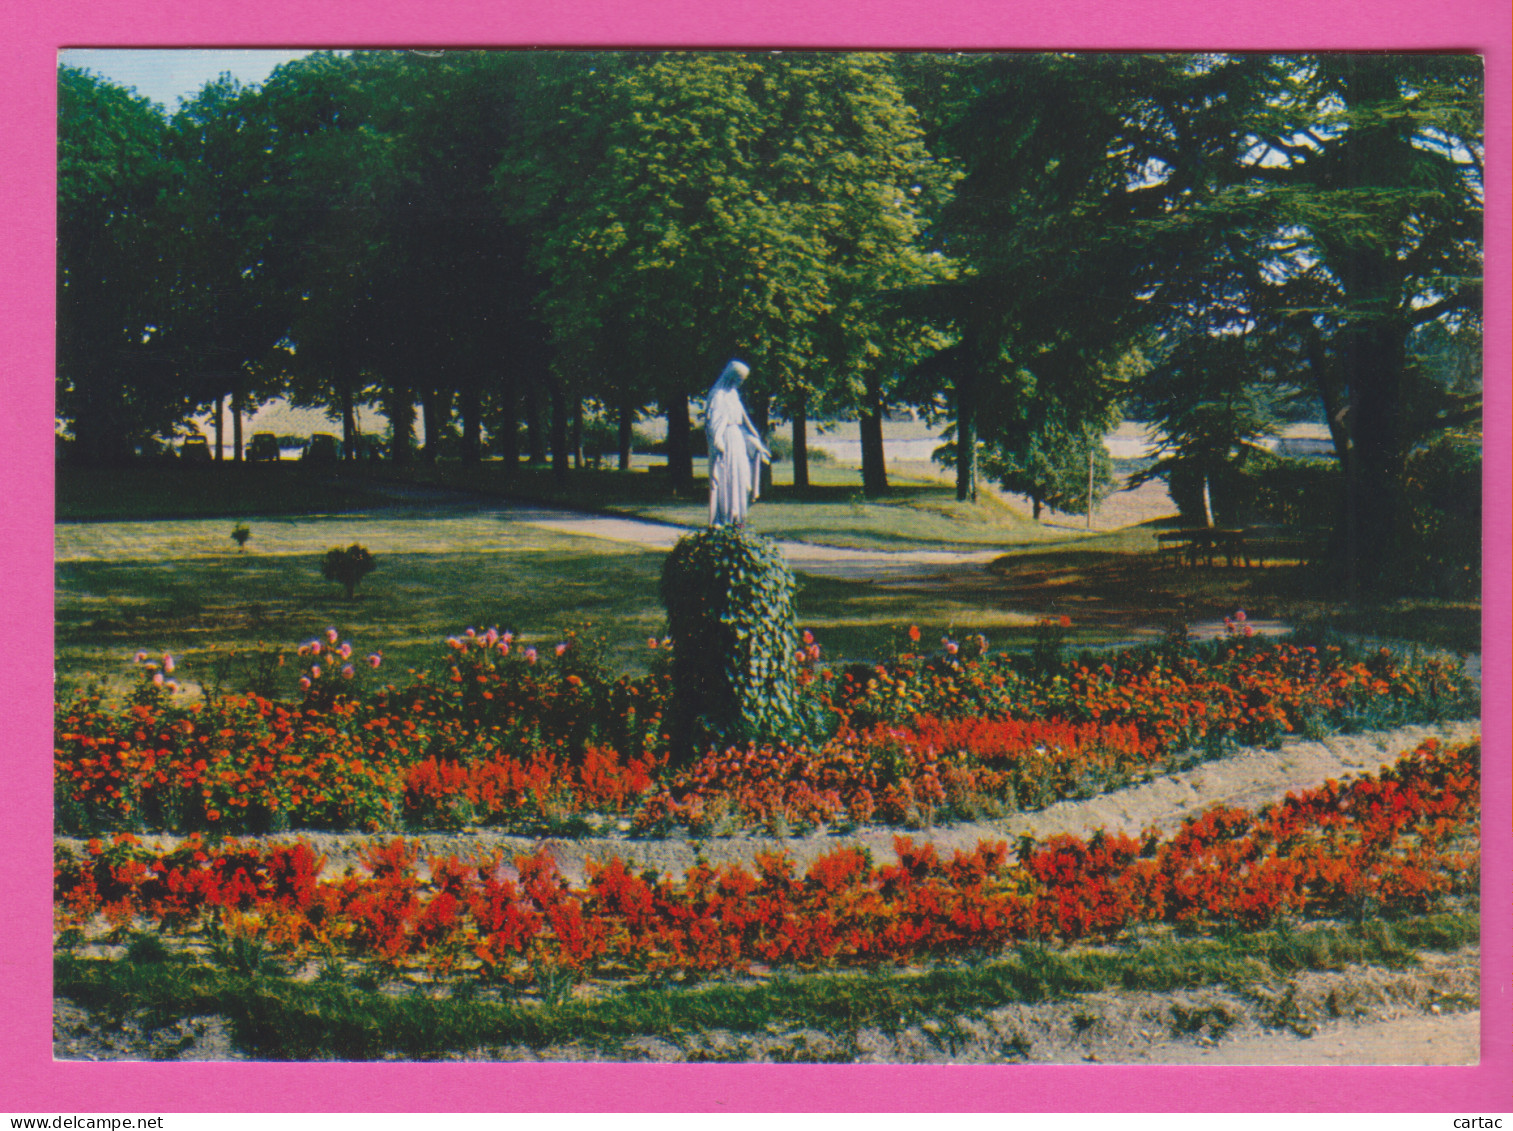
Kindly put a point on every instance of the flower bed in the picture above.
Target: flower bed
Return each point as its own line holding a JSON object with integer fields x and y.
{"x": 1241, "y": 689}
{"x": 1395, "y": 841}
{"x": 928, "y": 770}
{"x": 511, "y": 735}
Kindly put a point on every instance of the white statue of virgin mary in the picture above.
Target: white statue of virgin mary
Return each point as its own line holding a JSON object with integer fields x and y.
{"x": 736, "y": 451}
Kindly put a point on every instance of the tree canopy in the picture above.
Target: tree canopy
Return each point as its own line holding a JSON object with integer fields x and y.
{"x": 1028, "y": 244}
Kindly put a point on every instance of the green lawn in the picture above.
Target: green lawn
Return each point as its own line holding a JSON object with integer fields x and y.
{"x": 917, "y": 513}
{"x": 168, "y": 586}
{"x": 157, "y": 569}
{"x": 181, "y": 586}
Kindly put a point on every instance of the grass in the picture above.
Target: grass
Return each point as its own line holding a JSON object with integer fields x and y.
{"x": 156, "y": 568}
{"x": 277, "y": 1017}
{"x": 918, "y": 513}
{"x": 181, "y": 586}
{"x": 170, "y": 586}
{"x": 1112, "y": 586}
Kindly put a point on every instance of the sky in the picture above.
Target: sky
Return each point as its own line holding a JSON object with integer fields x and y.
{"x": 166, "y": 76}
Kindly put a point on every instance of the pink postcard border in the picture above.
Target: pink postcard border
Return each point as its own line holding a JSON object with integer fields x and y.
{"x": 36, "y": 29}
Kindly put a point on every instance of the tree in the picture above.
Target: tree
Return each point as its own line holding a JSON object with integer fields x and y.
{"x": 1054, "y": 466}
{"x": 332, "y": 169}
{"x": 1328, "y": 208}
{"x": 117, "y": 386}
{"x": 693, "y": 207}
{"x": 1036, "y": 316}
{"x": 230, "y": 304}
{"x": 1212, "y": 406}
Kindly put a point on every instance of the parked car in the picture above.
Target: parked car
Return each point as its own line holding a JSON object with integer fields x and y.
{"x": 195, "y": 449}
{"x": 322, "y": 448}
{"x": 264, "y": 448}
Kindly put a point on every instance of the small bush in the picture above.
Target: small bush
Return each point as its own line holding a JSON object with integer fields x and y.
{"x": 348, "y": 566}
{"x": 239, "y": 534}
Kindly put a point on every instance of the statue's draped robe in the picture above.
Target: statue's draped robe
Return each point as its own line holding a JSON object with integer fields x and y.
{"x": 735, "y": 450}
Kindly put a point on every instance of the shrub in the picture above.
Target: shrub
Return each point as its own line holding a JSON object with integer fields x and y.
{"x": 347, "y": 566}
{"x": 729, "y": 600}
{"x": 1259, "y": 487}
{"x": 1442, "y": 508}
{"x": 1292, "y": 492}
{"x": 239, "y": 534}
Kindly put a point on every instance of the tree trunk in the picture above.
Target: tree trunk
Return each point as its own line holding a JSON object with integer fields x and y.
{"x": 801, "y": 440}
{"x": 576, "y": 440}
{"x": 1373, "y": 514}
{"x": 1035, "y": 503}
{"x": 966, "y": 439}
{"x": 627, "y": 434}
{"x": 220, "y": 428}
{"x": 508, "y": 438}
{"x": 472, "y": 424}
{"x": 559, "y": 433}
{"x": 874, "y": 470}
{"x": 679, "y": 440}
{"x": 399, "y": 407}
{"x": 535, "y": 435}
{"x": 236, "y": 422}
{"x": 760, "y": 411}
{"x": 348, "y": 421}
{"x": 438, "y": 413}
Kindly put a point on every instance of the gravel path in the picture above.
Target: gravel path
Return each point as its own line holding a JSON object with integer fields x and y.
{"x": 831, "y": 561}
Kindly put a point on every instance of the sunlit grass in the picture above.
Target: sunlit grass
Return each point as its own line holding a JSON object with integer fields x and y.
{"x": 114, "y": 594}
{"x": 161, "y": 575}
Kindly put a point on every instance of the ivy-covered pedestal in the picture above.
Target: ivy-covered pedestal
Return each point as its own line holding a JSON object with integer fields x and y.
{"x": 729, "y": 600}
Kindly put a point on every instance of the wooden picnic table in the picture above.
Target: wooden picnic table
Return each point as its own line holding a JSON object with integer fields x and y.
{"x": 1193, "y": 544}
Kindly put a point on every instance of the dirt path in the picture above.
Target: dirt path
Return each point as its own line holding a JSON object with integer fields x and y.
{"x": 829, "y": 561}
